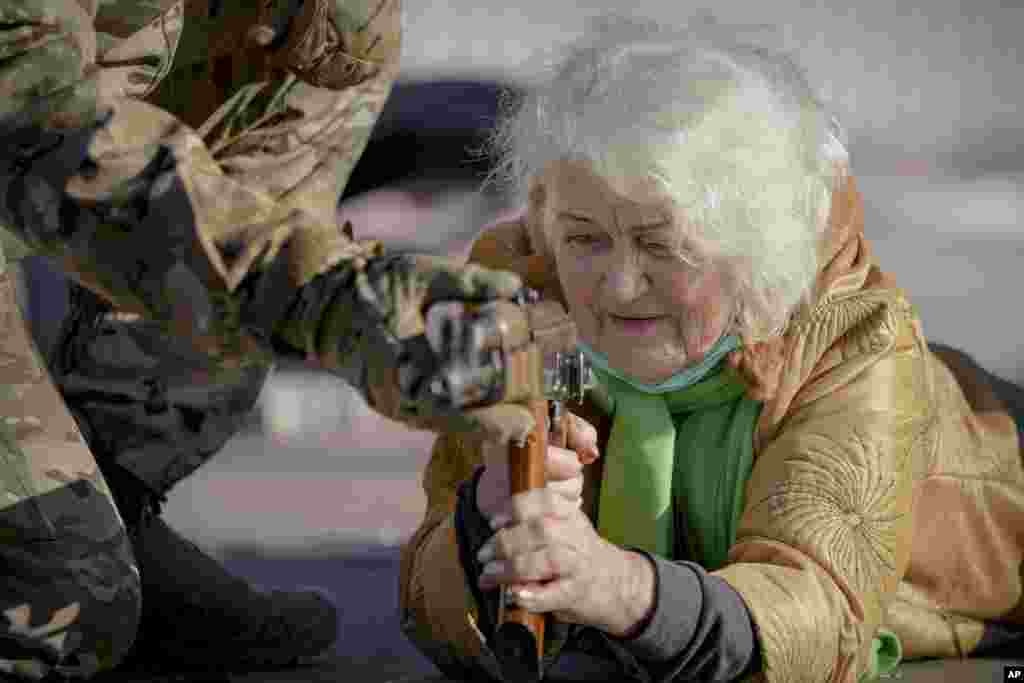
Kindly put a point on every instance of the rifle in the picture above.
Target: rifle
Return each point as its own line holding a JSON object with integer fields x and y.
{"x": 520, "y": 634}
{"x": 533, "y": 345}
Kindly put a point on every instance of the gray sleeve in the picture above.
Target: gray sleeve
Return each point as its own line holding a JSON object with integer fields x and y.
{"x": 700, "y": 628}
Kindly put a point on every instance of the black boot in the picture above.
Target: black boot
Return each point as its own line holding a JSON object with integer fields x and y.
{"x": 196, "y": 616}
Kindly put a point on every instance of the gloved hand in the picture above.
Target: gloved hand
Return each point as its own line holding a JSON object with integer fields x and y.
{"x": 331, "y": 44}
{"x": 378, "y": 325}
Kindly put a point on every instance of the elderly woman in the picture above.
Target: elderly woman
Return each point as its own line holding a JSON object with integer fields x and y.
{"x": 776, "y": 477}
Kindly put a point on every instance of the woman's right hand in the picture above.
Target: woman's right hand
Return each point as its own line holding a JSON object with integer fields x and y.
{"x": 564, "y": 468}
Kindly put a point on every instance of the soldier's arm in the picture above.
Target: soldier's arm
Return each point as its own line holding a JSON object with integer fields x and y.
{"x": 222, "y": 229}
{"x": 212, "y": 228}
{"x": 220, "y": 226}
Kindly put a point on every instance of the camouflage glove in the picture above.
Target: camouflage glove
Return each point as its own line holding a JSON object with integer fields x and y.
{"x": 374, "y": 334}
{"x": 329, "y": 44}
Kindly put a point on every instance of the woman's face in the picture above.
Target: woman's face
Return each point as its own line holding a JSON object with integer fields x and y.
{"x": 632, "y": 296}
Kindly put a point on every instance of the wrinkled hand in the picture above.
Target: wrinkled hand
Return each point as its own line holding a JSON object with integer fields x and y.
{"x": 403, "y": 360}
{"x": 547, "y": 551}
{"x": 553, "y": 560}
{"x": 564, "y": 468}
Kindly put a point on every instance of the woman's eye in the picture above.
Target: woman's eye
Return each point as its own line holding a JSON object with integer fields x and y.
{"x": 581, "y": 239}
{"x": 657, "y": 248}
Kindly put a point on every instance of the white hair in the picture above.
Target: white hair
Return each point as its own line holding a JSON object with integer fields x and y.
{"x": 731, "y": 131}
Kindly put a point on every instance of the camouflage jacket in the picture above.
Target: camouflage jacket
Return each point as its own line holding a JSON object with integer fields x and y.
{"x": 184, "y": 161}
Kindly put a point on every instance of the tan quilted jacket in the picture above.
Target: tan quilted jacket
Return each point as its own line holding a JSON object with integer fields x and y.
{"x": 887, "y": 487}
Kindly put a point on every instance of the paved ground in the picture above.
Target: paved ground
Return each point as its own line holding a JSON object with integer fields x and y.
{"x": 967, "y": 671}
{"x": 365, "y": 581}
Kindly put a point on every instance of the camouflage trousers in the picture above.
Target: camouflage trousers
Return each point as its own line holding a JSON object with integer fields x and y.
{"x": 146, "y": 412}
{"x": 70, "y": 594}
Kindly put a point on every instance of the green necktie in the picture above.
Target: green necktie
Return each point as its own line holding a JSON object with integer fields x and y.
{"x": 635, "y": 508}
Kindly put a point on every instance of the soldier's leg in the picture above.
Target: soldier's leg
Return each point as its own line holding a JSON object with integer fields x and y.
{"x": 153, "y": 410}
{"x": 69, "y": 591}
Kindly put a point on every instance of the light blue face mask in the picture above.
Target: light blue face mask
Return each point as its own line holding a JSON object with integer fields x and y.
{"x": 680, "y": 380}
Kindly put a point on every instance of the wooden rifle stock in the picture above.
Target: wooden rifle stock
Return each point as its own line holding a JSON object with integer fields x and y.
{"x": 547, "y": 373}
{"x": 520, "y": 634}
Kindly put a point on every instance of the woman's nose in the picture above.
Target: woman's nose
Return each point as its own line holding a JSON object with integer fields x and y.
{"x": 626, "y": 278}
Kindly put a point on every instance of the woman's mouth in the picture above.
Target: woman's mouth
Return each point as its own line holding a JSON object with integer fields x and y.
{"x": 639, "y": 325}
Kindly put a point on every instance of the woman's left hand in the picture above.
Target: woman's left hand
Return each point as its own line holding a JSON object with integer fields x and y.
{"x": 553, "y": 560}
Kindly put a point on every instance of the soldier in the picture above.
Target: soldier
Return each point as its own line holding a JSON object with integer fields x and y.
{"x": 182, "y": 159}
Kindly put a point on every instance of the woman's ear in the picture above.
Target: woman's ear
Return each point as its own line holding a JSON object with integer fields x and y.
{"x": 541, "y": 265}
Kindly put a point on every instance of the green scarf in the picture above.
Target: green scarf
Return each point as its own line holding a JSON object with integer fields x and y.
{"x": 683, "y": 456}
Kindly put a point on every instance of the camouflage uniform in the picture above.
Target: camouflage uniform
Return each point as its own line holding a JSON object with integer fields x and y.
{"x": 182, "y": 159}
